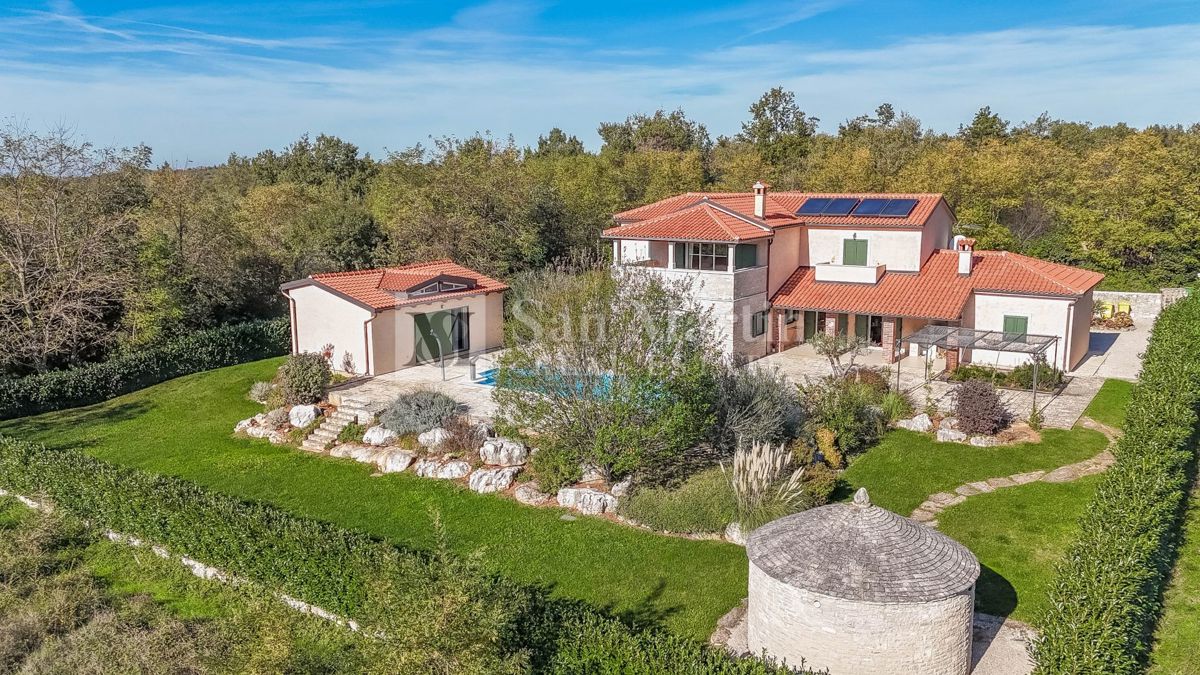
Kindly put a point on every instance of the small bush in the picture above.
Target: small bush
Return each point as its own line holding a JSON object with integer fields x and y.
{"x": 874, "y": 378}
{"x": 896, "y": 405}
{"x": 849, "y": 409}
{"x": 702, "y": 504}
{"x": 464, "y": 437}
{"x": 303, "y": 378}
{"x": 763, "y": 489}
{"x": 260, "y": 391}
{"x": 276, "y": 418}
{"x": 978, "y": 408}
{"x": 1049, "y": 377}
{"x": 418, "y": 411}
{"x": 754, "y": 404}
{"x": 351, "y": 433}
{"x": 555, "y": 467}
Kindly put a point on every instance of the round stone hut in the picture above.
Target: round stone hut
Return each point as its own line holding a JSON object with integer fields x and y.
{"x": 856, "y": 589}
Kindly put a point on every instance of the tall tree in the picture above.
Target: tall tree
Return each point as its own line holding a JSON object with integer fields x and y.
{"x": 778, "y": 128}
{"x": 66, "y": 236}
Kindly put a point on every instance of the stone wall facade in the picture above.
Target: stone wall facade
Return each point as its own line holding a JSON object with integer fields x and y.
{"x": 1143, "y": 306}
{"x": 850, "y": 637}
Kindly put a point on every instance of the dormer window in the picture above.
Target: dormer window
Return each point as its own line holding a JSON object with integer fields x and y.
{"x": 441, "y": 286}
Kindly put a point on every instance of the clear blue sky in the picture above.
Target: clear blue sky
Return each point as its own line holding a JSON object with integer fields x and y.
{"x": 196, "y": 79}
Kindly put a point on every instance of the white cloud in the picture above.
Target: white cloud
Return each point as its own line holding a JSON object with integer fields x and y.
{"x": 399, "y": 97}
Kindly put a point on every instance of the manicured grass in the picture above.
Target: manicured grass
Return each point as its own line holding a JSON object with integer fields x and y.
{"x": 184, "y": 428}
{"x": 1109, "y": 405}
{"x": 1177, "y": 639}
{"x": 1018, "y": 534}
{"x": 906, "y": 467}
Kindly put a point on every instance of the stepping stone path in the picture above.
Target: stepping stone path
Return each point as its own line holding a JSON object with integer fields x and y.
{"x": 929, "y": 510}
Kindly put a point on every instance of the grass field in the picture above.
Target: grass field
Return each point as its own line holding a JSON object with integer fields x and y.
{"x": 906, "y": 467}
{"x": 1018, "y": 534}
{"x": 1109, "y": 405}
{"x": 1177, "y": 640}
{"x": 184, "y": 428}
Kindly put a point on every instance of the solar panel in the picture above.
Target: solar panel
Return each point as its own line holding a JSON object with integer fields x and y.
{"x": 870, "y": 207}
{"x": 839, "y": 207}
{"x": 899, "y": 208}
{"x": 812, "y": 207}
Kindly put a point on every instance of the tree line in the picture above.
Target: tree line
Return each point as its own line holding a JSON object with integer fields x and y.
{"x": 101, "y": 252}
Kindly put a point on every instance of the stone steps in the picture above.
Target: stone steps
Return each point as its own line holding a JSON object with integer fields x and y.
{"x": 348, "y": 412}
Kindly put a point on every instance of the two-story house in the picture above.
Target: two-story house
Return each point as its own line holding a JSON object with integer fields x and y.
{"x": 776, "y": 267}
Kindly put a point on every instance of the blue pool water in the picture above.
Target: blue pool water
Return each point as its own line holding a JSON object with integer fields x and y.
{"x": 559, "y": 382}
{"x": 488, "y": 377}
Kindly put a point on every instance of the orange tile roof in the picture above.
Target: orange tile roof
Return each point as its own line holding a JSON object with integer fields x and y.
{"x": 938, "y": 291}
{"x": 376, "y": 288}
{"x": 780, "y": 211}
{"x": 702, "y": 221}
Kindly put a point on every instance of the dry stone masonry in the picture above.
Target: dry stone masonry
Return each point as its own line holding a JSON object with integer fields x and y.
{"x": 858, "y": 590}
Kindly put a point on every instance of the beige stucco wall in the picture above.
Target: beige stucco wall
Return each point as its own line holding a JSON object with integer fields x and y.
{"x": 393, "y": 332}
{"x": 785, "y": 257}
{"x": 323, "y": 318}
{"x": 1047, "y": 316}
{"x": 850, "y": 637}
{"x": 938, "y": 231}
{"x": 899, "y": 250}
{"x": 1081, "y": 330}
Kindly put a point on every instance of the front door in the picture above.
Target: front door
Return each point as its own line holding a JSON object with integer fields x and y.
{"x": 876, "y": 331}
{"x": 810, "y": 325}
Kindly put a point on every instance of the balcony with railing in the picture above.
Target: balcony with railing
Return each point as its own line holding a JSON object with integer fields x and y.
{"x": 856, "y": 274}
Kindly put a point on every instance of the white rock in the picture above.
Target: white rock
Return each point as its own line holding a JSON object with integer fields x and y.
{"x": 344, "y": 450}
{"x": 920, "y": 423}
{"x": 951, "y": 436}
{"x": 303, "y": 415}
{"x": 277, "y": 438}
{"x": 161, "y": 552}
{"x": 587, "y": 500}
{"x": 984, "y": 441}
{"x": 426, "y": 467}
{"x": 591, "y": 473}
{"x": 244, "y": 424}
{"x": 493, "y": 480}
{"x": 379, "y": 436}
{"x": 734, "y": 535}
{"x": 394, "y": 461}
{"x": 503, "y": 452}
{"x": 452, "y": 470}
{"x": 364, "y": 453}
{"x": 258, "y": 432}
{"x": 529, "y": 494}
{"x": 950, "y": 423}
{"x": 433, "y": 438}
{"x": 484, "y": 431}
{"x": 621, "y": 488}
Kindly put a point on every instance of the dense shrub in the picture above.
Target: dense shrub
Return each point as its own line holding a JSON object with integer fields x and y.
{"x": 336, "y": 568}
{"x": 874, "y": 378}
{"x": 702, "y": 504}
{"x": 555, "y": 466}
{"x": 260, "y": 391}
{"x": 192, "y": 353}
{"x": 896, "y": 405}
{"x": 303, "y": 378}
{"x": 848, "y": 409}
{"x": 754, "y": 404}
{"x": 418, "y": 411}
{"x": 1107, "y": 593}
{"x": 1021, "y": 377}
{"x": 767, "y": 484}
{"x": 978, "y": 407}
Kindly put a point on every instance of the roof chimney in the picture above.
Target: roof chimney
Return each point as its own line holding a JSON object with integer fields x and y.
{"x": 760, "y": 199}
{"x": 966, "y": 251}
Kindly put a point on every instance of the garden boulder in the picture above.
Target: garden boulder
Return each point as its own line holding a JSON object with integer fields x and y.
{"x": 734, "y": 534}
{"x": 529, "y": 494}
{"x": 503, "y": 452}
{"x": 590, "y": 473}
{"x": 303, "y": 415}
{"x": 984, "y": 441}
{"x": 920, "y": 423}
{"x": 452, "y": 470}
{"x": 433, "y": 438}
{"x": 621, "y": 488}
{"x": 394, "y": 461}
{"x": 587, "y": 500}
{"x": 365, "y": 454}
{"x": 493, "y": 479}
{"x": 379, "y": 436}
{"x": 951, "y": 436}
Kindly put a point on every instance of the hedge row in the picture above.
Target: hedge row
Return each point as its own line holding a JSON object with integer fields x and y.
{"x": 195, "y": 352}
{"x": 1107, "y": 594}
{"x": 324, "y": 564}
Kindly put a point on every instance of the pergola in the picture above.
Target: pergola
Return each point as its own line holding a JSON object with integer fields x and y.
{"x": 957, "y": 337}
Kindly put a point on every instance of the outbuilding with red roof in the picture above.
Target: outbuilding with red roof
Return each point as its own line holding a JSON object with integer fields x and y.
{"x": 379, "y": 320}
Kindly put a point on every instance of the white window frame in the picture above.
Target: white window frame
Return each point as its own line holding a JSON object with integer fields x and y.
{"x": 707, "y": 257}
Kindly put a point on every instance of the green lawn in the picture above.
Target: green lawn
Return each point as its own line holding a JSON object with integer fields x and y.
{"x": 906, "y": 467}
{"x": 1018, "y": 534}
{"x": 184, "y": 427}
{"x": 1109, "y": 405}
{"x": 1177, "y": 640}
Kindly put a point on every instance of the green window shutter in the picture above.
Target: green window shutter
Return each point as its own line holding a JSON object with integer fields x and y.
{"x": 861, "y": 325}
{"x": 854, "y": 252}
{"x": 1016, "y": 325}
{"x": 745, "y": 255}
{"x": 680, "y": 255}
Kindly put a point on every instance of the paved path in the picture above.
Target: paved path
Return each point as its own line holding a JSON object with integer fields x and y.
{"x": 929, "y": 510}
{"x": 1116, "y": 354}
{"x": 454, "y": 381}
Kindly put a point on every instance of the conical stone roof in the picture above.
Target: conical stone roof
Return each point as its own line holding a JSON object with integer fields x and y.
{"x": 860, "y": 551}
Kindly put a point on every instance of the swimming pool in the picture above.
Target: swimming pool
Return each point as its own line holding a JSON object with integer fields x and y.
{"x": 556, "y": 382}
